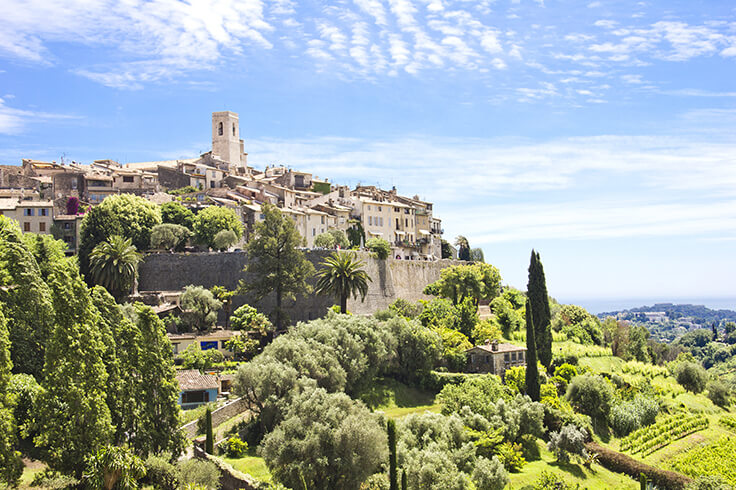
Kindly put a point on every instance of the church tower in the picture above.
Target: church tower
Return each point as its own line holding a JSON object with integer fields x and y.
{"x": 226, "y": 142}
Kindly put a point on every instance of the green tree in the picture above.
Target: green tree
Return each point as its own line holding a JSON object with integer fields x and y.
{"x": 463, "y": 252}
{"x": 342, "y": 276}
{"x": 169, "y": 237}
{"x": 324, "y": 240}
{"x": 200, "y": 307}
{"x": 224, "y": 296}
{"x": 719, "y": 393}
{"x": 326, "y": 441}
{"x": 114, "y": 265}
{"x": 11, "y": 466}
{"x": 476, "y": 281}
{"x": 532, "y": 375}
{"x": 72, "y": 414}
{"x": 27, "y": 301}
{"x": 476, "y": 255}
{"x": 392, "y": 470}
{"x": 99, "y": 224}
{"x": 539, "y": 306}
{"x": 691, "y": 376}
{"x": 504, "y": 314}
{"x": 224, "y": 239}
{"x": 209, "y": 443}
{"x": 212, "y": 220}
{"x": 591, "y": 395}
{"x": 113, "y": 467}
{"x": 158, "y": 390}
{"x": 176, "y": 214}
{"x": 136, "y": 215}
{"x": 379, "y": 247}
{"x": 46, "y": 251}
{"x": 249, "y": 319}
{"x": 275, "y": 264}
{"x": 446, "y": 250}
{"x": 355, "y": 233}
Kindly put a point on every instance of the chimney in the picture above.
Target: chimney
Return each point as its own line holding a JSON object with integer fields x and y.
{"x": 494, "y": 345}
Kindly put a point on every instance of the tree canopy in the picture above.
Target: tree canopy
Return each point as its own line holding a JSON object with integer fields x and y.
{"x": 477, "y": 281}
{"x": 275, "y": 264}
{"x": 212, "y": 220}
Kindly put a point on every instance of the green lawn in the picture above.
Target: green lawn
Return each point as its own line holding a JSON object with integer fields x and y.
{"x": 396, "y": 399}
{"x": 595, "y": 478}
{"x": 251, "y": 465}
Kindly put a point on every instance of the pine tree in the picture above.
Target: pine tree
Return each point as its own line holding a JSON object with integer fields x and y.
{"x": 539, "y": 302}
{"x": 392, "y": 476}
{"x": 209, "y": 443}
{"x": 532, "y": 375}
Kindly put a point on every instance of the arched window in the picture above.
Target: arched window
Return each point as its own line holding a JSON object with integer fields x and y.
{"x": 233, "y": 129}
{"x": 219, "y": 129}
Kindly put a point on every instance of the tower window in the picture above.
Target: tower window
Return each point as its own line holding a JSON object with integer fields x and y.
{"x": 233, "y": 129}
{"x": 219, "y": 129}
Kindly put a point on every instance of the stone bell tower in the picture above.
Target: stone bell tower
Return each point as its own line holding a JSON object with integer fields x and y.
{"x": 226, "y": 142}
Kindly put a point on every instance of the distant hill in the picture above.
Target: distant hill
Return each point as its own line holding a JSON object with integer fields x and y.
{"x": 699, "y": 313}
{"x": 673, "y": 320}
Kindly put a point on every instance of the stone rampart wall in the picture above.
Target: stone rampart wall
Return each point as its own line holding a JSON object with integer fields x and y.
{"x": 390, "y": 279}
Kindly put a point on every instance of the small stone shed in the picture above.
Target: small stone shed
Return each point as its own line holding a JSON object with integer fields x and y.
{"x": 495, "y": 358}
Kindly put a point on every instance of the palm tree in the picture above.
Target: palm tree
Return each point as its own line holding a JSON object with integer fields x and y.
{"x": 341, "y": 275}
{"x": 114, "y": 265}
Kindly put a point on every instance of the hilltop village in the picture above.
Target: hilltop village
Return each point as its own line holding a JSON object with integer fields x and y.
{"x": 49, "y": 197}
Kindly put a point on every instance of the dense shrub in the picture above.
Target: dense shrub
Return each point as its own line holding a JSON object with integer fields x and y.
{"x": 552, "y": 481}
{"x": 405, "y": 308}
{"x": 224, "y": 239}
{"x": 176, "y": 214}
{"x": 169, "y": 237}
{"x": 199, "y": 472}
{"x": 235, "y": 448}
{"x": 161, "y": 473}
{"x": 628, "y": 416}
{"x": 380, "y": 247}
{"x": 325, "y": 441}
{"x": 691, "y": 376}
{"x": 570, "y": 440}
{"x": 591, "y": 395}
{"x": 719, "y": 393}
{"x": 212, "y": 220}
{"x": 489, "y": 474}
{"x": 200, "y": 307}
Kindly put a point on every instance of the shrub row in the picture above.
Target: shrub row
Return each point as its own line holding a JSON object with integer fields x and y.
{"x": 655, "y": 437}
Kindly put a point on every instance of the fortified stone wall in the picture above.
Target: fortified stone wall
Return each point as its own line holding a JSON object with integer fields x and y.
{"x": 390, "y": 279}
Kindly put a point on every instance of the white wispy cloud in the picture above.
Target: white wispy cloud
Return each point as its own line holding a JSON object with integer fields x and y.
{"x": 13, "y": 120}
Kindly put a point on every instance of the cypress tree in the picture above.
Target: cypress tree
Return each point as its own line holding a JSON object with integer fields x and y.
{"x": 209, "y": 443}
{"x": 532, "y": 375}
{"x": 392, "y": 476}
{"x": 539, "y": 302}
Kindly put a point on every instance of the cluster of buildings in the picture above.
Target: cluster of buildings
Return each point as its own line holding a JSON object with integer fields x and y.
{"x": 44, "y": 196}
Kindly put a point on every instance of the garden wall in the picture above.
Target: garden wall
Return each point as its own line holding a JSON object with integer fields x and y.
{"x": 390, "y": 279}
{"x": 222, "y": 414}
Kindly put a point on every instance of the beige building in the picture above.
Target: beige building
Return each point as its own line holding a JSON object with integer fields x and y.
{"x": 495, "y": 358}
{"x": 213, "y": 340}
{"x": 33, "y": 216}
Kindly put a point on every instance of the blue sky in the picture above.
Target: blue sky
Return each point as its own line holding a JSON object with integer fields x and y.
{"x": 600, "y": 133}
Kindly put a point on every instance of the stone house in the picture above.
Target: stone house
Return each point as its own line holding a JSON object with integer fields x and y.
{"x": 213, "y": 340}
{"x": 495, "y": 358}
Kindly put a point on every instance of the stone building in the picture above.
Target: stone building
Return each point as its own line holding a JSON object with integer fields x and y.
{"x": 495, "y": 358}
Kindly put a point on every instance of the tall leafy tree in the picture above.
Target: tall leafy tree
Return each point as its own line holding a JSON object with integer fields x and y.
{"x": 463, "y": 252}
{"x": 224, "y": 296}
{"x": 539, "y": 302}
{"x": 98, "y": 225}
{"x": 532, "y": 374}
{"x": 342, "y": 276}
{"x": 212, "y": 220}
{"x": 275, "y": 264}
{"x": 114, "y": 265}
{"x": 11, "y": 466}
{"x": 27, "y": 301}
{"x": 72, "y": 413}
{"x": 122, "y": 342}
{"x": 158, "y": 394}
{"x": 176, "y": 214}
{"x": 477, "y": 281}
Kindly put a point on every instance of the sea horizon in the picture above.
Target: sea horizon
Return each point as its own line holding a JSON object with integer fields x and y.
{"x": 602, "y": 305}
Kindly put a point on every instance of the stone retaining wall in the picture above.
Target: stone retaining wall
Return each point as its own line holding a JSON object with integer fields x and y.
{"x": 390, "y": 279}
{"x": 219, "y": 416}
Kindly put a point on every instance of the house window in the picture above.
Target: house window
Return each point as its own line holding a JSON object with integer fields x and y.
{"x": 175, "y": 347}
{"x": 67, "y": 226}
{"x": 26, "y": 226}
{"x": 212, "y": 184}
{"x": 406, "y": 221}
{"x": 381, "y": 220}
{"x": 370, "y": 220}
{"x": 74, "y": 184}
{"x": 28, "y": 212}
{"x": 513, "y": 356}
{"x": 43, "y": 212}
{"x": 506, "y": 357}
{"x": 397, "y": 223}
{"x": 314, "y": 231}
{"x": 521, "y": 356}
{"x": 195, "y": 396}
{"x": 323, "y": 220}
{"x": 128, "y": 179}
{"x": 233, "y": 129}
{"x": 488, "y": 359}
{"x": 42, "y": 227}
{"x": 379, "y": 208}
{"x": 219, "y": 129}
